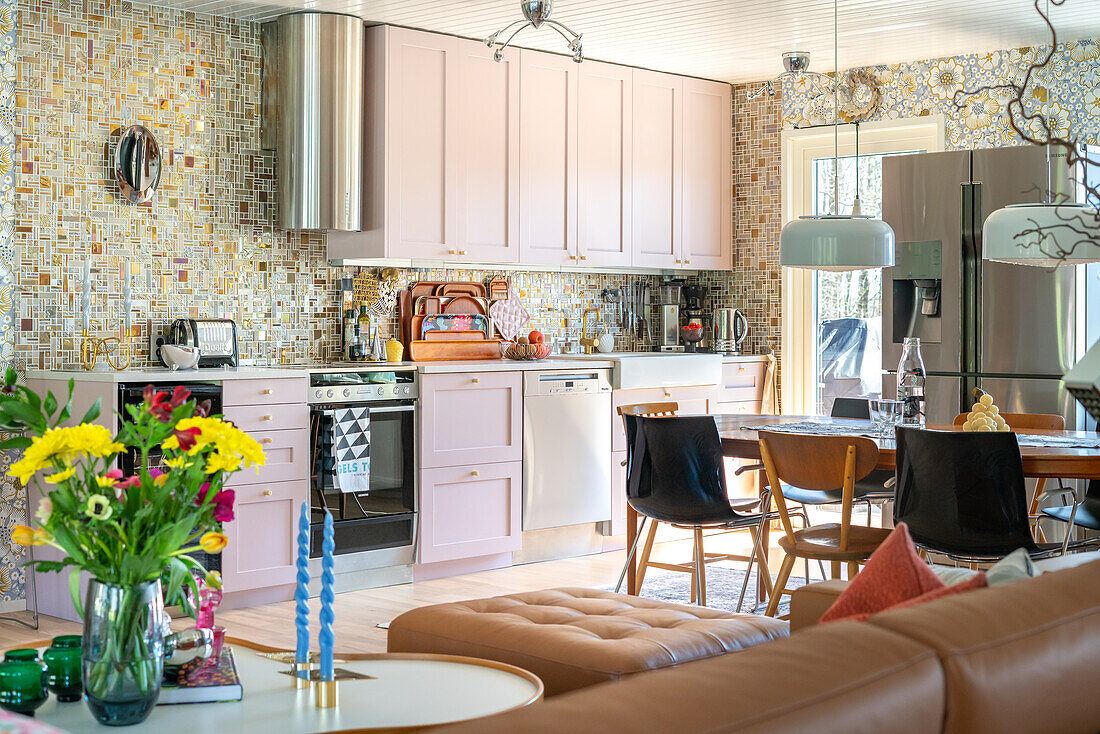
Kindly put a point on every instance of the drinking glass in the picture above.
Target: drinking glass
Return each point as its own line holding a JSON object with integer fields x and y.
{"x": 885, "y": 414}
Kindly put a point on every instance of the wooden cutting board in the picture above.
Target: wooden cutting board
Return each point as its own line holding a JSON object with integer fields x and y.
{"x": 466, "y": 304}
{"x": 436, "y": 351}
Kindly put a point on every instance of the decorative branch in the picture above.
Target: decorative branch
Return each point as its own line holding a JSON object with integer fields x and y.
{"x": 1035, "y": 128}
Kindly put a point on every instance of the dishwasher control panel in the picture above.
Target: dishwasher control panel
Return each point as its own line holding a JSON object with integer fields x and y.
{"x": 567, "y": 383}
{"x": 563, "y": 387}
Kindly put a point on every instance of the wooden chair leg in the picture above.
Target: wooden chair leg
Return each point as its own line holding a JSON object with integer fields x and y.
{"x": 643, "y": 562}
{"x": 780, "y": 584}
{"x": 834, "y": 568}
{"x": 700, "y": 567}
{"x": 762, "y": 562}
{"x": 1040, "y": 485}
{"x": 853, "y": 569}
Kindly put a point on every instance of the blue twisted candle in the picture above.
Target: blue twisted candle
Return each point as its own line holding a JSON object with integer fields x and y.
{"x": 301, "y": 592}
{"x": 326, "y": 638}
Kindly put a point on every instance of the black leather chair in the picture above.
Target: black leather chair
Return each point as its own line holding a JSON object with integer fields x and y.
{"x": 963, "y": 495}
{"x": 676, "y": 475}
{"x": 1085, "y": 514}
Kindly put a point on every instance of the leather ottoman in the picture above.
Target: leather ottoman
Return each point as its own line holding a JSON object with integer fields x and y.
{"x": 572, "y": 638}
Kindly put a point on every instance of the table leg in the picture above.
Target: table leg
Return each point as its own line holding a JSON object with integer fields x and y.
{"x": 631, "y": 534}
{"x": 763, "y": 580}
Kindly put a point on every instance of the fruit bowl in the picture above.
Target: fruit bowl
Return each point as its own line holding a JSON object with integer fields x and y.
{"x": 527, "y": 352}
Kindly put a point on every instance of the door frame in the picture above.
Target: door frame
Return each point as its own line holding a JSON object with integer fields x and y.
{"x": 798, "y": 303}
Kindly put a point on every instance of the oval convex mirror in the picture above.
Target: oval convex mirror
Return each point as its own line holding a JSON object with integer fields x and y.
{"x": 137, "y": 164}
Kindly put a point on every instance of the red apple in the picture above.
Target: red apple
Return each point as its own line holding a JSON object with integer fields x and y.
{"x": 535, "y": 337}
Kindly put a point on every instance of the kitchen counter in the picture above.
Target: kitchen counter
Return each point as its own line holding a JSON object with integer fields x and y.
{"x": 163, "y": 374}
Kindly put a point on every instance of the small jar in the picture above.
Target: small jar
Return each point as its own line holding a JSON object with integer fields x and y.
{"x": 63, "y": 672}
{"x": 22, "y": 682}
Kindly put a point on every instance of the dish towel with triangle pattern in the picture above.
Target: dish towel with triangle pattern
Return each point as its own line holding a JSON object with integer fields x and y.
{"x": 351, "y": 444}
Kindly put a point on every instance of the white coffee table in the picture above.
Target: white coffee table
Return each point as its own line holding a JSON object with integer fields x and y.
{"x": 409, "y": 691}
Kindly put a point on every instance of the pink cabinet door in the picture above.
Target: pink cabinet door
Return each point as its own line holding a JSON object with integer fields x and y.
{"x": 469, "y": 511}
{"x": 604, "y": 178}
{"x": 261, "y": 546}
{"x": 286, "y": 455}
{"x": 470, "y": 418}
{"x": 422, "y": 148}
{"x": 488, "y": 155}
{"x": 548, "y": 159}
{"x": 657, "y": 169}
{"x": 707, "y": 164}
{"x": 617, "y": 525}
{"x": 691, "y": 400}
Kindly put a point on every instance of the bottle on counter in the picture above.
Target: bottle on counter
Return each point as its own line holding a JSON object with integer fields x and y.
{"x": 349, "y": 334}
{"x": 363, "y": 339}
{"x": 911, "y": 379}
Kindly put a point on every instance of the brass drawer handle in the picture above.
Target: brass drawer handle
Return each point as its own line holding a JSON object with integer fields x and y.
{"x": 267, "y": 493}
{"x": 740, "y": 369}
{"x": 462, "y": 252}
{"x": 452, "y": 252}
{"x": 267, "y": 439}
{"x": 668, "y": 395}
{"x": 476, "y": 379}
{"x": 584, "y": 257}
{"x": 475, "y": 473}
{"x": 267, "y": 391}
{"x": 268, "y": 418}
{"x": 687, "y": 262}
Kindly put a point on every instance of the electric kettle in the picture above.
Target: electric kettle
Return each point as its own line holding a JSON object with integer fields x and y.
{"x": 730, "y": 329}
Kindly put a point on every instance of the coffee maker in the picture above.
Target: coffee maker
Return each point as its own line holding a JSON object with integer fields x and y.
{"x": 668, "y": 298}
{"x": 694, "y": 297}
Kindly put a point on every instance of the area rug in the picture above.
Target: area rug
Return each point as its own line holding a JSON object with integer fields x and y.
{"x": 723, "y": 588}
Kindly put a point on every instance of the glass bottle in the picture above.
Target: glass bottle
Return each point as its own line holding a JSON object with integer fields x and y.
{"x": 349, "y": 334}
{"x": 911, "y": 379}
{"x": 22, "y": 682}
{"x": 363, "y": 339}
{"x": 63, "y": 671}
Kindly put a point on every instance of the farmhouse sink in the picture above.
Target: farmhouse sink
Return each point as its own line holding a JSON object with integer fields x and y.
{"x": 632, "y": 370}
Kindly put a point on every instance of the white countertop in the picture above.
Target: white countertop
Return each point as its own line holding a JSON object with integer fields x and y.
{"x": 163, "y": 374}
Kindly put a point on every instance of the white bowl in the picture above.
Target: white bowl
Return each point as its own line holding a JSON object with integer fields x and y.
{"x": 179, "y": 357}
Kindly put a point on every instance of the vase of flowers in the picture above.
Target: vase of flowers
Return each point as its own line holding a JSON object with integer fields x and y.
{"x": 132, "y": 533}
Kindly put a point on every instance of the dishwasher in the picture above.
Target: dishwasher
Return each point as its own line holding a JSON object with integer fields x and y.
{"x": 566, "y": 448}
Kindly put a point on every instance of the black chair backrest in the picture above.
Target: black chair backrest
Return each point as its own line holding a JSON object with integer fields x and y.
{"x": 675, "y": 471}
{"x": 851, "y": 408}
{"x": 962, "y": 493}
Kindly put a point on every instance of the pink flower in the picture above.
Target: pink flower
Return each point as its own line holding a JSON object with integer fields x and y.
{"x": 125, "y": 484}
{"x": 186, "y": 437}
{"x": 223, "y": 505}
{"x": 204, "y": 490}
{"x": 114, "y": 474}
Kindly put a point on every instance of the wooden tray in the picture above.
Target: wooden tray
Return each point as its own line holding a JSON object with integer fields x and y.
{"x": 466, "y": 305}
{"x": 442, "y": 350}
{"x": 473, "y": 335}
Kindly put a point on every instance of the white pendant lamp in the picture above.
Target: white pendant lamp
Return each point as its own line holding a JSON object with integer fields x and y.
{"x": 1044, "y": 235}
{"x": 837, "y": 241}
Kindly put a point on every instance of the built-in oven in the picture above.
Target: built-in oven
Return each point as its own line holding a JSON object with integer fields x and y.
{"x": 381, "y": 519}
{"x": 132, "y": 394}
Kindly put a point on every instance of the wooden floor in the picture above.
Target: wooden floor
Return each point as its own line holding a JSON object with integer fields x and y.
{"x": 359, "y": 612}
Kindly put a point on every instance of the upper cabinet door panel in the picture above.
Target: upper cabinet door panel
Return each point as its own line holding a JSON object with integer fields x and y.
{"x": 548, "y": 159}
{"x": 421, "y": 165}
{"x": 707, "y": 171}
{"x": 657, "y": 169}
{"x": 488, "y": 155}
{"x": 604, "y": 178}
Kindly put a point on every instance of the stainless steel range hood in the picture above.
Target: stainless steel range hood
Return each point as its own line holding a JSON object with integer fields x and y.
{"x": 313, "y": 117}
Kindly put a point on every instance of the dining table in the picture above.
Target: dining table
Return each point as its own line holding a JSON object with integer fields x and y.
{"x": 740, "y": 440}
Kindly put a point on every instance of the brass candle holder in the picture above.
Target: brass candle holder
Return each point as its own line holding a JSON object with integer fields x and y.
{"x": 301, "y": 674}
{"x": 324, "y": 694}
{"x": 91, "y": 347}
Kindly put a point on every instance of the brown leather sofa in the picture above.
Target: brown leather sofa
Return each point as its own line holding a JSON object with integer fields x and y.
{"x": 1018, "y": 658}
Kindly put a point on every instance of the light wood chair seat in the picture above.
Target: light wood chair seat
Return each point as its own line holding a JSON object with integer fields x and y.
{"x": 822, "y": 542}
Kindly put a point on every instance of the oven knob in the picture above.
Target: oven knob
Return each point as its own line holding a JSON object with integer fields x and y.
{"x": 406, "y": 390}
{"x": 381, "y": 391}
{"x": 331, "y": 393}
{"x": 347, "y": 392}
{"x": 319, "y": 393}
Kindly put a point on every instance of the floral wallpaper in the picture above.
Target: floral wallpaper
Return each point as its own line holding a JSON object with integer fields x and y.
{"x": 12, "y": 504}
{"x": 1067, "y": 92}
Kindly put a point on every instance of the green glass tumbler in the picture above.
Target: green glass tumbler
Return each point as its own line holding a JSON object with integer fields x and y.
{"x": 22, "y": 682}
{"x": 63, "y": 672}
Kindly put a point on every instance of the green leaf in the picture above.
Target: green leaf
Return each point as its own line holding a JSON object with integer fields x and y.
{"x": 31, "y": 396}
{"x": 93, "y": 412}
{"x": 74, "y": 590}
{"x": 10, "y": 376}
{"x": 24, "y": 414}
{"x": 15, "y": 442}
{"x": 50, "y": 405}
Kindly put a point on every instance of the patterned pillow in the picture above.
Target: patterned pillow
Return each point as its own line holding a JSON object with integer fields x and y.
{"x": 894, "y": 575}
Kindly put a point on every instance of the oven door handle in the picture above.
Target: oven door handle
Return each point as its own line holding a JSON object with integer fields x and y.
{"x": 394, "y": 409}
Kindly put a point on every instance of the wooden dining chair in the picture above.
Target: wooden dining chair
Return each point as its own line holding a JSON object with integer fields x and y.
{"x": 696, "y": 567}
{"x": 819, "y": 462}
{"x": 1026, "y": 422}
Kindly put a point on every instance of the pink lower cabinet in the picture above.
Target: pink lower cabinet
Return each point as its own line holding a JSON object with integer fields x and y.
{"x": 468, "y": 511}
{"x": 261, "y": 537}
{"x": 470, "y": 418}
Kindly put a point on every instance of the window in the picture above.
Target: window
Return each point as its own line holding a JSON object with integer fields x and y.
{"x": 832, "y": 321}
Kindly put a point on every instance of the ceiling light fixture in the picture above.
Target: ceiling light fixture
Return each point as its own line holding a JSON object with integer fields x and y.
{"x": 536, "y": 13}
{"x": 797, "y": 65}
{"x": 837, "y": 241}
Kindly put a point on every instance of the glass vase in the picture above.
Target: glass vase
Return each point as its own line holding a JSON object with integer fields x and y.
{"x": 123, "y": 651}
{"x": 63, "y": 673}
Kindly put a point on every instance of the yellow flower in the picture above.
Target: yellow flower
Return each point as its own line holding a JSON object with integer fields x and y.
{"x": 179, "y": 462}
{"x": 220, "y": 462}
{"x": 225, "y": 438}
{"x": 24, "y": 535}
{"x": 160, "y": 479}
{"x": 213, "y": 542}
{"x": 64, "y": 445}
{"x": 105, "y": 481}
{"x": 213, "y": 579}
{"x": 61, "y": 476}
{"x": 98, "y": 507}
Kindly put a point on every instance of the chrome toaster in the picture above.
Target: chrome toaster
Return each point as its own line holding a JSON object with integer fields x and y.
{"x": 216, "y": 339}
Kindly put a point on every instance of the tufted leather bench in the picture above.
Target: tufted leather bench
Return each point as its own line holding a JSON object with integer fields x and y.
{"x": 572, "y": 638}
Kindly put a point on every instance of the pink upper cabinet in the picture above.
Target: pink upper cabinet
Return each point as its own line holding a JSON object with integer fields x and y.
{"x": 548, "y": 159}
{"x": 604, "y": 177}
{"x": 488, "y": 155}
{"x": 707, "y": 170}
{"x": 657, "y": 168}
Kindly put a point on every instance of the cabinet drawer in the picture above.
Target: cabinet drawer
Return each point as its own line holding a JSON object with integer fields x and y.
{"x": 250, "y": 418}
{"x": 471, "y": 418}
{"x": 261, "y": 546}
{"x": 469, "y": 511}
{"x": 691, "y": 400}
{"x": 742, "y": 381}
{"x": 750, "y": 407}
{"x": 287, "y": 455}
{"x": 264, "y": 391}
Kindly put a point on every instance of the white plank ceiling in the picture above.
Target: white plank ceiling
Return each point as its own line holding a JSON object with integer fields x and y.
{"x": 732, "y": 40}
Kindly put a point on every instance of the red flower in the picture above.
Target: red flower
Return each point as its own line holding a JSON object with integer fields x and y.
{"x": 202, "y": 410}
{"x": 114, "y": 474}
{"x": 125, "y": 484}
{"x": 186, "y": 437}
{"x": 223, "y": 505}
{"x": 179, "y": 396}
{"x": 201, "y": 497}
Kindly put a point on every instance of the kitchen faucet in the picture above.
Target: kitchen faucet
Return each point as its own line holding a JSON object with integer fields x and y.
{"x": 589, "y": 343}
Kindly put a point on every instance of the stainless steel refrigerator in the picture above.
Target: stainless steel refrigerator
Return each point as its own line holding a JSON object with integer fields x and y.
{"x": 1011, "y": 330}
